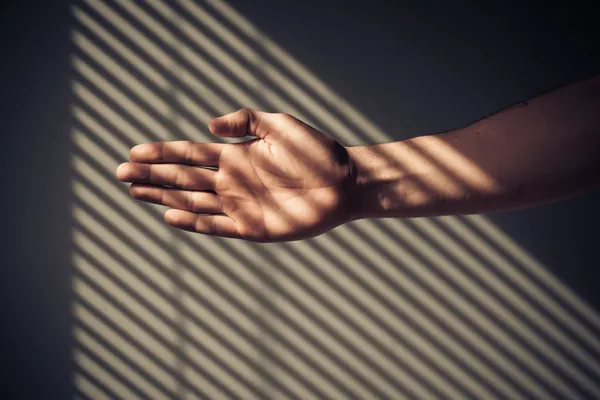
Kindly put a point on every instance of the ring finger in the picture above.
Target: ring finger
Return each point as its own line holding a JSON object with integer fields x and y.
{"x": 196, "y": 202}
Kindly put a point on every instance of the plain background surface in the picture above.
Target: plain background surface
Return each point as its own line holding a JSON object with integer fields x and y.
{"x": 411, "y": 68}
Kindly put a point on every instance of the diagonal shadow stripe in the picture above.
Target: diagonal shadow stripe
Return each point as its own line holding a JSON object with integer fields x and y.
{"x": 127, "y": 387}
{"x": 160, "y": 48}
{"x": 110, "y": 348}
{"x": 303, "y": 75}
{"x": 207, "y": 369}
{"x": 490, "y": 329}
{"x": 132, "y": 292}
{"x": 565, "y": 322}
{"x": 540, "y": 321}
{"x": 190, "y": 5}
{"x": 567, "y": 351}
{"x": 472, "y": 365}
{"x": 86, "y": 382}
{"x": 91, "y": 318}
{"x": 159, "y": 297}
{"x": 88, "y": 233}
{"x": 578, "y": 317}
{"x": 158, "y": 81}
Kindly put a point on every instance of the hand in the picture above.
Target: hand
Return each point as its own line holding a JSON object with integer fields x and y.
{"x": 289, "y": 183}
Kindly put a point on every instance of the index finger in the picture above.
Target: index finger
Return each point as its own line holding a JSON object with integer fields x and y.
{"x": 179, "y": 152}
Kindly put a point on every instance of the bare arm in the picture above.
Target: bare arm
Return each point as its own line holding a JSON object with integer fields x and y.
{"x": 537, "y": 152}
{"x": 292, "y": 181}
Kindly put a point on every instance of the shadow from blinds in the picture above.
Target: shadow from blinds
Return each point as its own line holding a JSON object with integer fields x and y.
{"x": 424, "y": 308}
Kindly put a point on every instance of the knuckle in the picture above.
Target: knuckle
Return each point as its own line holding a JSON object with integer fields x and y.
{"x": 251, "y": 119}
{"x": 218, "y": 204}
{"x": 161, "y": 151}
{"x": 161, "y": 196}
{"x": 188, "y": 152}
{"x": 212, "y": 225}
{"x": 190, "y": 202}
{"x": 180, "y": 177}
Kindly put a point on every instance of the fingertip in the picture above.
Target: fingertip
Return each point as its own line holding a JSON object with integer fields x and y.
{"x": 172, "y": 215}
{"x": 220, "y": 126}
{"x": 123, "y": 171}
{"x": 144, "y": 152}
{"x": 212, "y": 125}
{"x": 243, "y": 122}
{"x": 135, "y": 190}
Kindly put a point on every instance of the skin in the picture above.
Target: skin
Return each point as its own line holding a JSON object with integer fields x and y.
{"x": 292, "y": 182}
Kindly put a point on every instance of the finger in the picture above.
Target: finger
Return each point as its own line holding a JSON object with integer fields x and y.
{"x": 217, "y": 225}
{"x": 244, "y": 122}
{"x": 180, "y": 152}
{"x": 175, "y": 175}
{"x": 196, "y": 202}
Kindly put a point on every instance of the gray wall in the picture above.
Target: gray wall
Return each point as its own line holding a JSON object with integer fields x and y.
{"x": 410, "y": 69}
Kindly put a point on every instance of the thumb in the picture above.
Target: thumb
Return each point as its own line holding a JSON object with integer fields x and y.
{"x": 244, "y": 122}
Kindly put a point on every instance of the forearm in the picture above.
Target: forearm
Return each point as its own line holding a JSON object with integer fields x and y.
{"x": 537, "y": 152}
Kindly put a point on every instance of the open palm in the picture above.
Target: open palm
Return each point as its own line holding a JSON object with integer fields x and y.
{"x": 291, "y": 182}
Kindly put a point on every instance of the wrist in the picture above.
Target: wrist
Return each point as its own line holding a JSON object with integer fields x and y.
{"x": 376, "y": 174}
{"x": 360, "y": 177}
{"x": 390, "y": 181}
